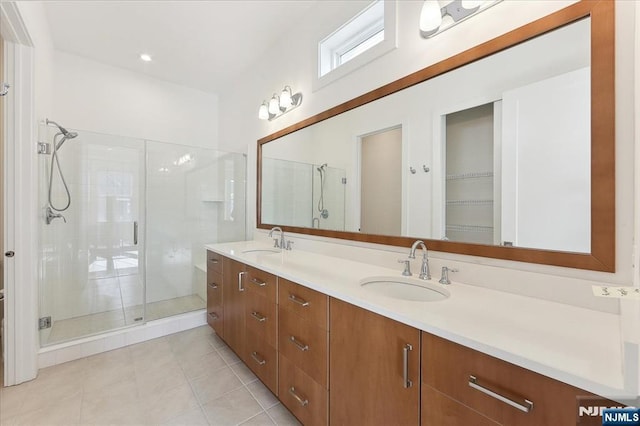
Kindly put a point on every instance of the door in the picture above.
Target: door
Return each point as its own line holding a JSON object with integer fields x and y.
{"x": 92, "y": 254}
{"x": 370, "y": 384}
{"x": 381, "y": 183}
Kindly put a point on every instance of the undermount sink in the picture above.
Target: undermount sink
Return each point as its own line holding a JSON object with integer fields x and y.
{"x": 261, "y": 250}
{"x": 405, "y": 288}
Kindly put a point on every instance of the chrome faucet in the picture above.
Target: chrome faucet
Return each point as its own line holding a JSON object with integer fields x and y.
{"x": 50, "y": 215}
{"x": 279, "y": 242}
{"x": 424, "y": 269}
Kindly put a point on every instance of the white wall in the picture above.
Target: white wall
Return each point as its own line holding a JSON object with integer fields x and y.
{"x": 92, "y": 96}
{"x": 291, "y": 62}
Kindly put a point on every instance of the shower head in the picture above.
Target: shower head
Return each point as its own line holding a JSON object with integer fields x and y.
{"x": 321, "y": 168}
{"x": 67, "y": 134}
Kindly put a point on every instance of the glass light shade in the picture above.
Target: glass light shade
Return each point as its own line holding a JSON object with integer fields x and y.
{"x": 274, "y": 105}
{"x": 285, "y": 98}
{"x": 471, "y": 4}
{"x": 430, "y": 16}
{"x": 263, "y": 112}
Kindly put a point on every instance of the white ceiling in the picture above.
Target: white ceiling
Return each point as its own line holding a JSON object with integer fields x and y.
{"x": 200, "y": 44}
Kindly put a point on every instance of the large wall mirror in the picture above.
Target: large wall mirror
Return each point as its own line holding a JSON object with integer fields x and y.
{"x": 505, "y": 151}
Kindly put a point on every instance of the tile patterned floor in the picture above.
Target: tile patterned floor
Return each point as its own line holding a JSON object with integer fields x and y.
{"x": 188, "y": 378}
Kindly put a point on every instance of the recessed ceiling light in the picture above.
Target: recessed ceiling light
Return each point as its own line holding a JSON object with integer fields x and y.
{"x": 145, "y": 57}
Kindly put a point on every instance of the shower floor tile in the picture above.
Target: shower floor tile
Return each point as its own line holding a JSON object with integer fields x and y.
{"x": 73, "y": 328}
{"x": 121, "y": 388}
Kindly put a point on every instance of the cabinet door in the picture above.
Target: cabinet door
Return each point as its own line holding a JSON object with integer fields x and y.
{"x": 233, "y": 301}
{"x": 366, "y": 368}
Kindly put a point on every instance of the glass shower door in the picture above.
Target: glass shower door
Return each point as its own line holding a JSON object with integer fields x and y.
{"x": 92, "y": 276}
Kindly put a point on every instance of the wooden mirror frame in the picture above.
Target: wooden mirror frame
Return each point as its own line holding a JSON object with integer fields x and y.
{"x": 602, "y": 256}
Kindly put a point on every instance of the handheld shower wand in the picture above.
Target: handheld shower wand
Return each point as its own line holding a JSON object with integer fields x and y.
{"x": 54, "y": 158}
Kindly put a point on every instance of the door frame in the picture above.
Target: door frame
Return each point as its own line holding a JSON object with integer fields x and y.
{"x": 21, "y": 214}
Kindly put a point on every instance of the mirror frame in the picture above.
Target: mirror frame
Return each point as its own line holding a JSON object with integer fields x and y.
{"x": 602, "y": 256}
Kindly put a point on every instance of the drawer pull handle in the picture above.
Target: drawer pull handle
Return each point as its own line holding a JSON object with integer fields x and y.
{"x": 214, "y": 286}
{"x": 258, "y": 317}
{"x": 213, "y": 315}
{"x": 303, "y": 401}
{"x": 298, "y": 344}
{"x": 240, "y": 275}
{"x": 298, "y": 300}
{"x": 257, "y": 359}
{"x": 258, "y": 282}
{"x": 212, "y": 260}
{"x": 526, "y": 407}
{"x": 405, "y": 365}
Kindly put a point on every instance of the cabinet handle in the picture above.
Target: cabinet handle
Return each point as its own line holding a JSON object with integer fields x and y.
{"x": 213, "y": 286}
{"x": 255, "y": 357}
{"x": 298, "y": 344}
{"x": 212, "y": 260}
{"x": 258, "y": 282}
{"x": 526, "y": 407}
{"x": 258, "y": 317}
{"x": 240, "y": 274}
{"x": 213, "y": 315}
{"x": 405, "y": 365}
{"x": 298, "y": 300}
{"x": 301, "y": 400}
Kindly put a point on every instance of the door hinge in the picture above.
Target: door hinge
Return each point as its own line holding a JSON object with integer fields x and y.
{"x": 44, "y": 322}
{"x": 344, "y": 181}
{"x": 44, "y": 148}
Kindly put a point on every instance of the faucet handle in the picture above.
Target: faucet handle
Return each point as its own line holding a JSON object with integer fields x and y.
{"x": 444, "y": 279}
{"x": 407, "y": 267}
{"x": 276, "y": 242}
{"x": 289, "y": 244}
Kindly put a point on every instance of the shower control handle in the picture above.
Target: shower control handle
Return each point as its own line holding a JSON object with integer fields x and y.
{"x": 135, "y": 233}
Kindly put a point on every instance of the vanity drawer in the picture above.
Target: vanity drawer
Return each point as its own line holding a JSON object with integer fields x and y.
{"x": 440, "y": 410}
{"x": 260, "y": 317}
{"x": 450, "y": 368}
{"x": 262, "y": 283}
{"x": 308, "y": 304}
{"x": 214, "y": 262}
{"x": 305, "y": 398}
{"x": 214, "y": 288}
{"x": 262, "y": 359}
{"x": 304, "y": 344}
{"x": 214, "y": 313}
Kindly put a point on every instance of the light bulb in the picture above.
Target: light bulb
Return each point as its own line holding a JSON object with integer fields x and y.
{"x": 430, "y": 16}
{"x": 471, "y": 4}
{"x": 145, "y": 57}
{"x": 263, "y": 112}
{"x": 285, "y": 98}
{"x": 274, "y": 105}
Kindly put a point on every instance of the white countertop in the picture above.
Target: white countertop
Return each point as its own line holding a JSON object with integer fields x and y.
{"x": 574, "y": 345}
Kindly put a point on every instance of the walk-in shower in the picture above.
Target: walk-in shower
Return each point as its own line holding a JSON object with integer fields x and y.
{"x": 132, "y": 247}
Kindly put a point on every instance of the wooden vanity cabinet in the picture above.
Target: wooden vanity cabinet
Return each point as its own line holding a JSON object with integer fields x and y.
{"x": 369, "y": 383}
{"x": 449, "y": 399}
{"x": 233, "y": 297}
{"x": 261, "y": 321}
{"x": 215, "y": 314}
{"x": 303, "y": 333}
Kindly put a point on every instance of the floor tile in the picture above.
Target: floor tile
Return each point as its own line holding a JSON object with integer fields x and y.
{"x": 261, "y": 419}
{"x": 228, "y": 355}
{"x": 243, "y": 372}
{"x": 232, "y": 409}
{"x": 264, "y": 396}
{"x": 205, "y": 364}
{"x": 193, "y": 417}
{"x": 216, "y": 384}
{"x": 282, "y": 417}
{"x": 63, "y": 412}
{"x": 163, "y": 406}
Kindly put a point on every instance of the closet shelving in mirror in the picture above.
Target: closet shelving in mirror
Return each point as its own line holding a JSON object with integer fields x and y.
{"x": 471, "y": 175}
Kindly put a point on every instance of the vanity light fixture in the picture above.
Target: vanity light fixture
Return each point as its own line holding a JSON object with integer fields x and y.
{"x": 435, "y": 19}
{"x": 279, "y": 105}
